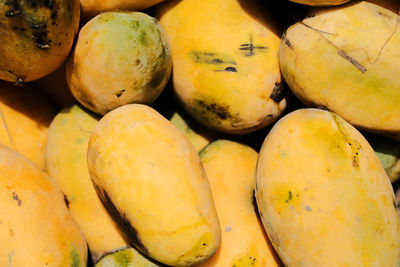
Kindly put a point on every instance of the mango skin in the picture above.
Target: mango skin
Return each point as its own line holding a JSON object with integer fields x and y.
{"x": 320, "y": 2}
{"x": 220, "y": 54}
{"x": 125, "y": 257}
{"x": 119, "y": 58}
{"x": 363, "y": 66}
{"x": 39, "y": 37}
{"x": 25, "y": 118}
{"x": 151, "y": 180}
{"x": 66, "y": 150}
{"x": 36, "y": 228}
{"x": 230, "y": 168}
{"x": 321, "y": 188}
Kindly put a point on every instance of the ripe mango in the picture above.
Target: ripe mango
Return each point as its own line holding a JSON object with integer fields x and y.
{"x": 230, "y": 168}
{"x": 66, "y": 151}
{"x": 361, "y": 81}
{"x": 151, "y": 180}
{"x": 323, "y": 195}
{"x": 36, "y": 36}
{"x": 225, "y": 62}
{"x": 36, "y": 228}
{"x": 119, "y": 58}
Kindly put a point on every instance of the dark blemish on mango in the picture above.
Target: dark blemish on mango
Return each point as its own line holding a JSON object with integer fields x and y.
{"x": 143, "y": 38}
{"x": 66, "y": 200}
{"x": 135, "y": 24}
{"x": 40, "y": 39}
{"x": 14, "y": 8}
{"x": 286, "y": 40}
{"x": 228, "y": 69}
{"x": 37, "y": 26}
{"x": 118, "y": 94}
{"x": 49, "y": 3}
{"x": 11, "y": 232}
{"x": 278, "y": 93}
{"x": 123, "y": 222}
{"x": 394, "y": 204}
{"x": 249, "y": 47}
{"x": 15, "y": 197}
{"x": 219, "y": 110}
{"x": 158, "y": 77}
{"x": 210, "y": 58}
{"x": 352, "y": 61}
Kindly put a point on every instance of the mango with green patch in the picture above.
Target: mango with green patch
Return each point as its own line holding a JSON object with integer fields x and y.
{"x": 152, "y": 182}
{"x": 126, "y": 257}
{"x": 119, "y": 58}
{"x": 66, "y": 151}
{"x": 361, "y": 81}
{"x": 36, "y": 37}
{"x": 225, "y": 62}
{"x": 230, "y": 167}
{"x": 323, "y": 195}
{"x": 36, "y": 228}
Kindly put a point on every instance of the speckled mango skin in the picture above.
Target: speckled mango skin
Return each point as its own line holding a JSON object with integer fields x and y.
{"x": 151, "y": 180}
{"x": 91, "y": 8}
{"x": 36, "y": 228}
{"x": 230, "y": 168}
{"x": 323, "y": 195}
{"x": 361, "y": 81}
{"x": 66, "y": 151}
{"x": 25, "y": 115}
{"x": 225, "y": 63}
{"x": 320, "y": 2}
{"x": 120, "y": 58}
{"x": 39, "y": 37}
{"x": 126, "y": 257}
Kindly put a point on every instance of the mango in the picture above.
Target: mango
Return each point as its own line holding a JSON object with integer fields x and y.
{"x": 230, "y": 168}
{"x": 36, "y": 228}
{"x": 125, "y": 257}
{"x": 320, "y": 2}
{"x": 119, "y": 58}
{"x": 361, "y": 81}
{"x": 323, "y": 195}
{"x": 225, "y": 62}
{"x": 25, "y": 115}
{"x": 66, "y": 150}
{"x": 37, "y": 37}
{"x": 151, "y": 180}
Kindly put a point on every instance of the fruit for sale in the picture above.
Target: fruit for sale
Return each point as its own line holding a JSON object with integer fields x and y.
{"x": 320, "y": 2}
{"x": 91, "y": 8}
{"x": 151, "y": 180}
{"x": 66, "y": 151}
{"x": 323, "y": 195}
{"x": 25, "y": 115}
{"x": 230, "y": 168}
{"x": 225, "y": 62}
{"x": 126, "y": 257}
{"x": 36, "y": 37}
{"x": 119, "y": 58}
{"x": 36, "y": 228}
{"x": 338, "y": 59}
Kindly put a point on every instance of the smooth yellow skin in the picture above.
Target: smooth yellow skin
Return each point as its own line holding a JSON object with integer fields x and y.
{"x": 36, "y": 228}
{"x": 91, "y": 8}
{"x": 230, "y": 168}
{"x": 320, "y": 2}
{"x": 25, "y": 115}
{"x": 38, "y": 40}
{"x": 148, "y": 170}
{"x": 120, "y": 58}
{"x": 323, "y": 195}
{"x": 127, "y": 257}
{"x": 219, "y": 84}
{"x": 66, "y": 151}
{"x": 361, "y": 81}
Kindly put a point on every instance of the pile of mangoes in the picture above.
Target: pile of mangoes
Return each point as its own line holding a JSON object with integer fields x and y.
{"x": 224, "y": 133}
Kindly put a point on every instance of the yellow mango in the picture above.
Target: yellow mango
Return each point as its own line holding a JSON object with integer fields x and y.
{"x": 119, "y": 58}
{"x": 345, "y": 59}
{"x": 323, "y": 195}
{"x": 225, "y": 62}
{"x": 320, "y": 2}
{"x": 126, "y": 257}
{"x": 36, "y": 228}
{"x": 151, "y": 180}
{"x": 66, "y": 151}
{"x": 230, "y": 168}
{"x": 25, "y": 115}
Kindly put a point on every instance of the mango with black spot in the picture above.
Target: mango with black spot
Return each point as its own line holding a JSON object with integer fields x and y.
{"x": 151, "y": 180}
{"x": 320, "y": 2}
{"x": 320, "y": 188}
{"x": 36, "y": 228}
{"x": 36, "y": 37}
{"x": 66, "y": 150}
{"x": 126, "y": 257}
{"x": 230, "y": 167}
{"x": 225, "y": 62}
{"x": 119, "y": 58}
